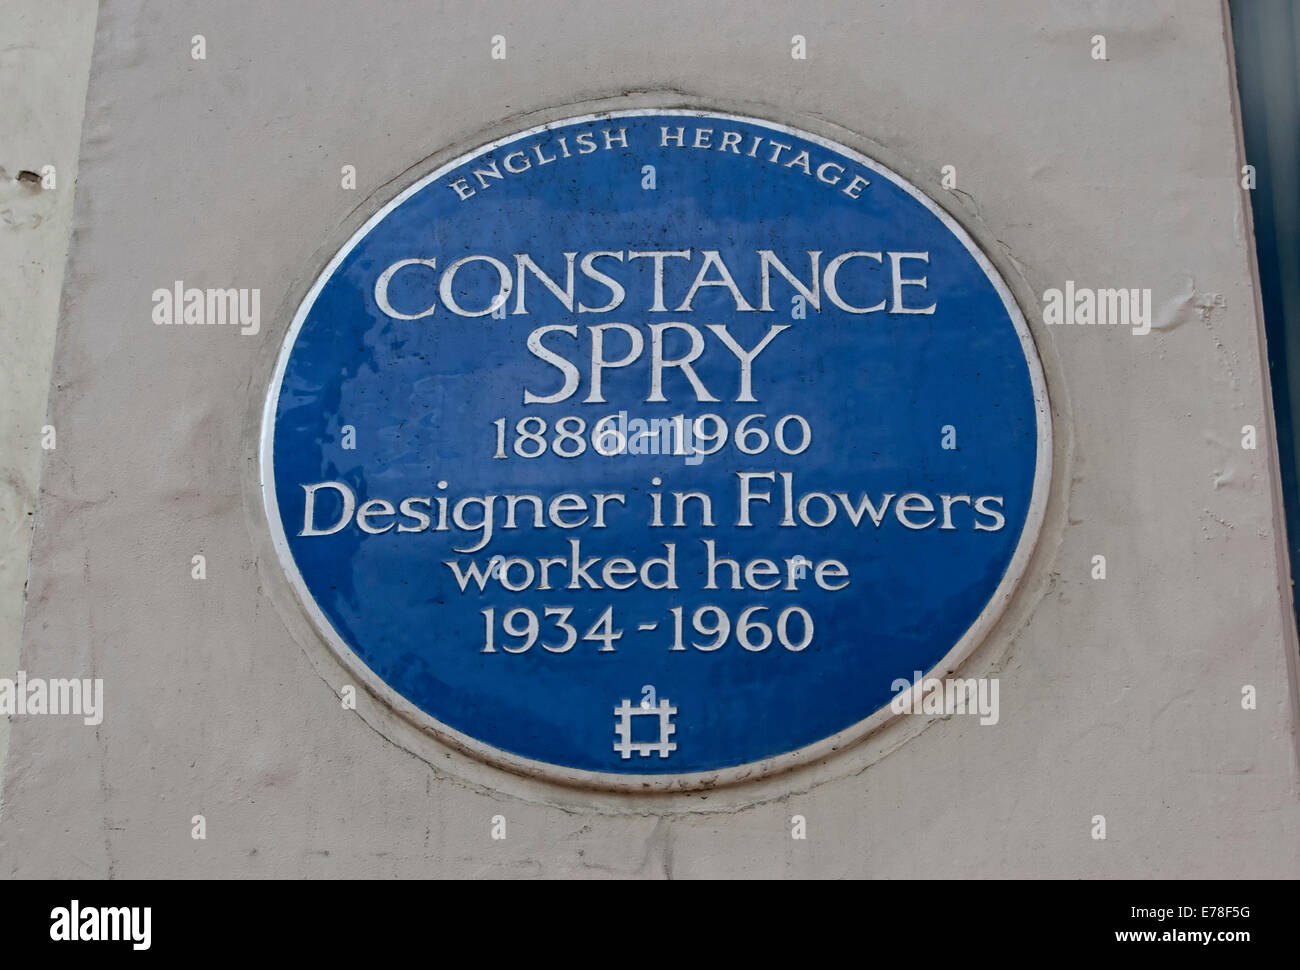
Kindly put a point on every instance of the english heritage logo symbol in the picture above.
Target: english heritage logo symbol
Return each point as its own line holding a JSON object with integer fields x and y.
{"x": 850, "y": 459}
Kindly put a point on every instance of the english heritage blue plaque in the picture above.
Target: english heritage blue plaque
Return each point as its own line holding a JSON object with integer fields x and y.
{"x": 655, "y": 446}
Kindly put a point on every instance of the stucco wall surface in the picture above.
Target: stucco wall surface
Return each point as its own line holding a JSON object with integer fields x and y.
{"x": 44, "y": 66}
{"x": 1120, "y": 697}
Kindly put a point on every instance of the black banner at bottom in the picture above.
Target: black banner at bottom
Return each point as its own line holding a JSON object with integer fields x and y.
{"x": 138, "y": 919}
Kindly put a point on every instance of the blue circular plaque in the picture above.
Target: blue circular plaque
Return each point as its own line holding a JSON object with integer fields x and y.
{"x": 655, "y": 448}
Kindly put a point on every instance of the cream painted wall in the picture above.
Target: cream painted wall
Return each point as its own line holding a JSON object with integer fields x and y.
{"x": 44, "y": 66}
{"x": 1119, "y": 697}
